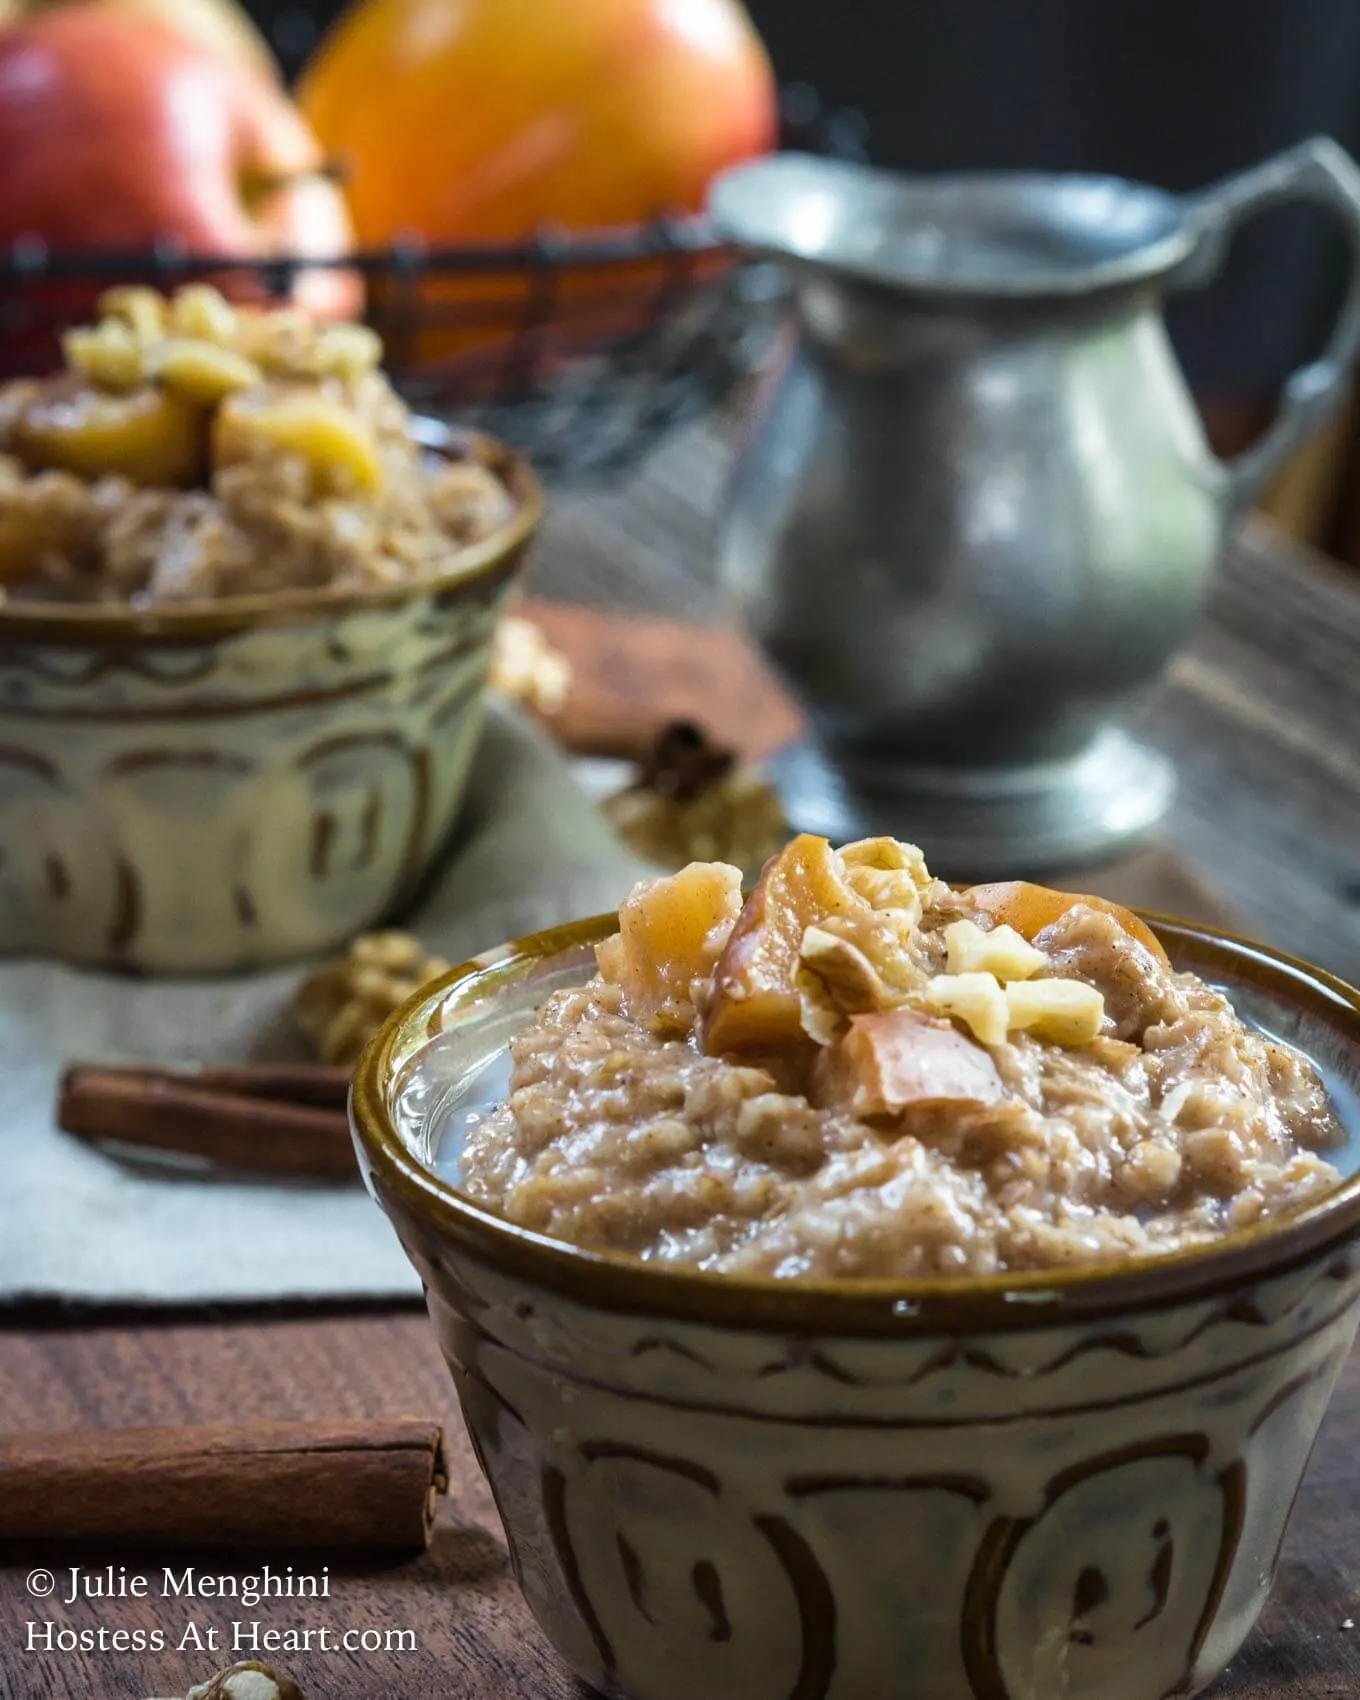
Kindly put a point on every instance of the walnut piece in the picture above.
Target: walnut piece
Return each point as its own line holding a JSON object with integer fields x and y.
{"x": 526, "y": 668}
{"x": 835, "y": 980}
{"x": 976, "y": 1000}
{"x": 1065, "y": 1012}
{"x": 248, "y": 1680}
{"x": 110, "y": 353}
{"x": 691, "y": 802}
{"x": 199, "y": 371}
{"x": 145, "y": 311}
{"x": 343, "y": 1003}
{"x": 1001, "y": 952}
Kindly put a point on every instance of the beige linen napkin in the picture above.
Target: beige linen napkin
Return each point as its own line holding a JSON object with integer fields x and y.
{"x": 77, "y": 1223}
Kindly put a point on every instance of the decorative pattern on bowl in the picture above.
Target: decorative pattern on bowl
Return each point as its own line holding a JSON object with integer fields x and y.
{"x": 1010, "y": 1489}
{"x": 207, "y": 787}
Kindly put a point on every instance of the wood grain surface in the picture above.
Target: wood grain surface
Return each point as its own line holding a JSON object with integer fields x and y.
{"x": 476, "y": 1639}
{"x": 1263, "y": 717}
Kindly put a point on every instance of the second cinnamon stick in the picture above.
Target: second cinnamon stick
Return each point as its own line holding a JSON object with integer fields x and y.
{"x": 256, "y": 1485}
{"x": 161, "y": 1113}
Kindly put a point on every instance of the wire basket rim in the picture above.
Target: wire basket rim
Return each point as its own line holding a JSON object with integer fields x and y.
{"x": 548, "y": 246}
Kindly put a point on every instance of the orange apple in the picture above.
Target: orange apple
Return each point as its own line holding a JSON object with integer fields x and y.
{"x": 117, "y": 132}
{"x": 466, "y": 121}
{"x": 1030, "y": 908}
{"x": 478, "y": 120}
{"x": 755, "y": 1004}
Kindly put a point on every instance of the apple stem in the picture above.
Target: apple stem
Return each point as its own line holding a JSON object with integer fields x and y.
{"x": 262, "y": 186}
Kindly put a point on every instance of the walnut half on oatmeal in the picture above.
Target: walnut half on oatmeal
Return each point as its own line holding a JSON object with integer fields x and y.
{"x": 861, "y": 1071}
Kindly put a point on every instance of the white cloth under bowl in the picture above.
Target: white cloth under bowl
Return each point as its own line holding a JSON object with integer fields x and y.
{"x": 76, "y": 1223}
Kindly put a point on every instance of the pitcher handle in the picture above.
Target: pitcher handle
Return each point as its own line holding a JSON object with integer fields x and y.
{"x": 1315, "y": 170}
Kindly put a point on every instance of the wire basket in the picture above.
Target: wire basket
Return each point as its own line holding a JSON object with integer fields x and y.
{"x": 581, "y": 350}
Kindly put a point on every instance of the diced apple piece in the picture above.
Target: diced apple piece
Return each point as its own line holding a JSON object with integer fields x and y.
{"x": 200, "y": 371}
{"x": 52, "y": 515}
{"x": 1030, "y": 908}
{"x": 1001, "y": 952}
{"x": 893, "y": 1061}
{"x": 755, "y": 1004}
{"x": 147, "y": 436}
{"x": 671, "y": 931}
{"x": 23, "y": 536}
{"x": 141, "y": 309}
{"x": 337, "y": 446}
{"x": 347, "y": 351}
{"x": 975, "y": 999}
{"x": 1067, "y": 1012}
{"x": 109, "y": 353}
{"x": 200, "y": 311}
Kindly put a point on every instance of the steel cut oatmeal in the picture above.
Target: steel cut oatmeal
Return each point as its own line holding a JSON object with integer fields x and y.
{"x": 861, "y": 1071}
{"x": 195, "y": 450}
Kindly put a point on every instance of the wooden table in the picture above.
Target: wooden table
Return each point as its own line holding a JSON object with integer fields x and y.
{"x": 1264, "y": 718}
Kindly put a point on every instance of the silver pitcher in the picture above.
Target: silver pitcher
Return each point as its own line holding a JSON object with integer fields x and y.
{"x": 975, "y": 515}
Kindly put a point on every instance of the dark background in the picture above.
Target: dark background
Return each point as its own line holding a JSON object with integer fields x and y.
{"x": 1175, "y": 92}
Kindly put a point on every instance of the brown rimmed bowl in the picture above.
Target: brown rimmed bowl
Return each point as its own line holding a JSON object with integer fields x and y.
{"x": 1067, "y": 1483}
{"x": 208, "y": 786}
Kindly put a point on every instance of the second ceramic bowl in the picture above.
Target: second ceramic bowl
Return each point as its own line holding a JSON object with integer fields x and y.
{"x": 217, "y": 786}
{"x": 1065, "y": 1484}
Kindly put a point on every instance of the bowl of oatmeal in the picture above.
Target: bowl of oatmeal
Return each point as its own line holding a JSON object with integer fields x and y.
{"x": 247, "y": 606}
{"x": 863, "y": 1276}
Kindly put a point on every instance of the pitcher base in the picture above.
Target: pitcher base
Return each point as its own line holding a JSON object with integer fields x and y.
{"x": 985, "y": 823}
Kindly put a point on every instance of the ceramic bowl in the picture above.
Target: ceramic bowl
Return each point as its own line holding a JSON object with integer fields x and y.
{"x": 1069, "y": 1483}
{"x": 221, "y": 785}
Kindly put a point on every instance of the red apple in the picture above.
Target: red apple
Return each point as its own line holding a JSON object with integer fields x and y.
{"x": 219, "y": 25}
{"x": 118, "y": 132}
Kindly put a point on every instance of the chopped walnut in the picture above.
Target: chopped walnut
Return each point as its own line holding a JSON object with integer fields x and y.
{"x": 977, "y": 1000}
{"x": 1001, "y": 952}
{"x": 859, "y": 1072}
{"x": 889, "y": 875}
{"x": 248, "y": 1680}
{"x": 834, "y": 981}
{"x": 126, "y": 346}
{"x": 343, "y": 1003}
{"x": 526, "y": 668}
{"x": 1065, "y": 1012}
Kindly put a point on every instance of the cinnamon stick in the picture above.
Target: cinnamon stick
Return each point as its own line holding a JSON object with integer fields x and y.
{"x": 323, "y": 1084}
{"x": 162, "y": 1111}
{"x": 369, "y": 1485}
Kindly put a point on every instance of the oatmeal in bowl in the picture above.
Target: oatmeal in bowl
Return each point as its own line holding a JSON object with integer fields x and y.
{"x": 860, "y": 1071}
{"x": 195, "y": 450}
{"x": 247, "y": 614}
{"x": 895, "y": 1277}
